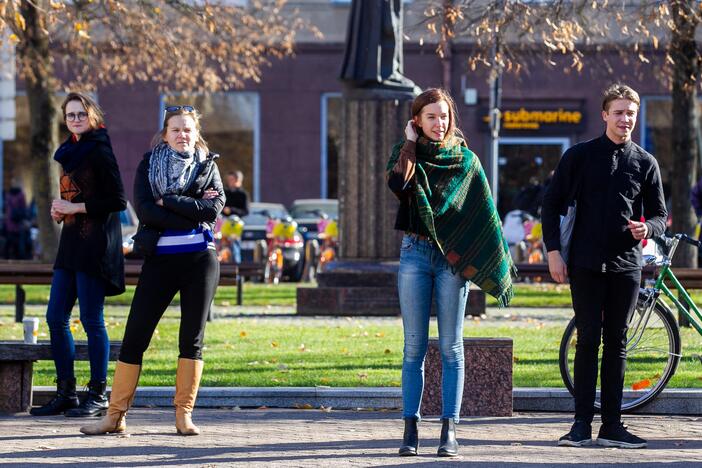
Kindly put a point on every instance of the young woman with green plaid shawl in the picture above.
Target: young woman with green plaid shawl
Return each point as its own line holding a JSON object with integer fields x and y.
{"x": 453, "y": 235}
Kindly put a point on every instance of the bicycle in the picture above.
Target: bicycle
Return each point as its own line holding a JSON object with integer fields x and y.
{"x": 653, "y": 343}
{"x": 280, "y": 232}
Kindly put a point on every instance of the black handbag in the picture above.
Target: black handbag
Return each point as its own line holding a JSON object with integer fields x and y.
{"x": 145, "y": 240}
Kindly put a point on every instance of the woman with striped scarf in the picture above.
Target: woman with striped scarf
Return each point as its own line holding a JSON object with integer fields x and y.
{"x": 178, "y": 194}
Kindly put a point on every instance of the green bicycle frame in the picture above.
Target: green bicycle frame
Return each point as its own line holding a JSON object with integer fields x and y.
{"x": 666, "y": 273}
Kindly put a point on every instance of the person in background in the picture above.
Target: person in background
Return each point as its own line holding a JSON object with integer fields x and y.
{"x": 696, "y": 201}
{"x": 237, "y": 200}
{"x": 16, "y": 223}
{"x": 236, "y": 204}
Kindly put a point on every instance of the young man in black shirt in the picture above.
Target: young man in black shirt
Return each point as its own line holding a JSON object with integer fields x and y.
{"x": 617, "y": 185}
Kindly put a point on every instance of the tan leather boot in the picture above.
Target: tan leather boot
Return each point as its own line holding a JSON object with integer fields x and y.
{"x": 123, "y": 389}
{"x": 187, "y": 382}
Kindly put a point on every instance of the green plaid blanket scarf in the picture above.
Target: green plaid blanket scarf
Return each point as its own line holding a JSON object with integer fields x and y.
{"x": 456, "y": 207}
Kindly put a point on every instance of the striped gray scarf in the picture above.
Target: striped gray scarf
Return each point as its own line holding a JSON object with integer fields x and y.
{"x": 171, "y": 172}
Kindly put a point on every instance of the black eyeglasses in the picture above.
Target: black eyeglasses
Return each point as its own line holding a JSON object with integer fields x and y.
{"x": 177, "y": 108}
{"x": 73, "y": 116}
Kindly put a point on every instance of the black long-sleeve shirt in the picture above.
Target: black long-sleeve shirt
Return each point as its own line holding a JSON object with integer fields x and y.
{"x": 401, "y": 182}
{"x": 237, "y": 202}
{"x": 617, "y": 183}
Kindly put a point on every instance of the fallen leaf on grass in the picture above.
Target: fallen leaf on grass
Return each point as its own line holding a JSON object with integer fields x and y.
{"x": 380, "y": 334}
{"x": 362, "y": 375}
{"x": 325, "y": 380}
{"x": 641, "y": 384}
{"x": 243, "y": 334}
{"x": 387, "y": 351}
{"x": 274, "y": 344}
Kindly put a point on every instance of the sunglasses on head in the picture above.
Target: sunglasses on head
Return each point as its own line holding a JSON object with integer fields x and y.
{"x": 177, "y": 108}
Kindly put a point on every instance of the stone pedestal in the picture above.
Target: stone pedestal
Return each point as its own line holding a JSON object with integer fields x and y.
{"x": 487, "y": 388}
{"x": 367, "y": 208}
{"x": 359, "y": 288}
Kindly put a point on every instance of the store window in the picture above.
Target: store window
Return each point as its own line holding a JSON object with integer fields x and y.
{"x": 526, "y": 165}
{"x": 330, "y": 144}
{"x": 231, "y": 126}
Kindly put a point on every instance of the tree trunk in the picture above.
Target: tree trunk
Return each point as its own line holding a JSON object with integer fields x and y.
{"x": 686, "y": 70}
{"x": 34, "y": 50}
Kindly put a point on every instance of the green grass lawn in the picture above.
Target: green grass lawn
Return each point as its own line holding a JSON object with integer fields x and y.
{"x": 256, "y": 351}
{"x": 253, "y": 294}
{"x": 526, "y": 295}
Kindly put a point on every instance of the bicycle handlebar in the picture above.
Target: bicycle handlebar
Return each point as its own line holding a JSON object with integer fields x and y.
{"x": 689, "y": 240}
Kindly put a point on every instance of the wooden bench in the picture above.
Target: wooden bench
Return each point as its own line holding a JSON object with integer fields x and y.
{"x": 16, "y": 366}
{"x": 21, "y": 273}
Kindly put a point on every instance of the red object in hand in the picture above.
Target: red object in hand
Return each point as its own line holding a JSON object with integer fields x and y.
{"x": 644, "y": 241}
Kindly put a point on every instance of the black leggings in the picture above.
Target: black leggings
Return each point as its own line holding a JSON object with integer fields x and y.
{"x": 603, "y": 303}
{"x": 196, "y": 276}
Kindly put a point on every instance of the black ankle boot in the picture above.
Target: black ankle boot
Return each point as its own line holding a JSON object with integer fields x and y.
{"x": 448, "y": 446}
{"x": 65, "y": 399}
{"x": 95, "y": 402}
{"x": 410, "y": 439}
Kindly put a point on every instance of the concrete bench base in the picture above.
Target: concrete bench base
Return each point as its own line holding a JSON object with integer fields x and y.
{"x": 16, "y": 388}
{"x": 487, "y": 388}
{"x": 16, "y": 366}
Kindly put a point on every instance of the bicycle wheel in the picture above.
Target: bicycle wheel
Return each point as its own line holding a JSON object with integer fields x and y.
{"x": 652, "y": 357}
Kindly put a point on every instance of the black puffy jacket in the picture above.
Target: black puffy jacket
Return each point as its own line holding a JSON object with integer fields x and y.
{"x": 185, "y": 211}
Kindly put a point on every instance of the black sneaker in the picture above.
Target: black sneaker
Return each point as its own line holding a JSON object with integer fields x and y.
{"x": 616, "y": 435}
{"x": 580, "y": 435}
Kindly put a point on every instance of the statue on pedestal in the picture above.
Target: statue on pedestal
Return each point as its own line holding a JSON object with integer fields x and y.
{"x": 373, "y": 57}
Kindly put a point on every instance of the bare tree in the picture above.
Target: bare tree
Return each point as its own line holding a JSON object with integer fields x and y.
{"x": 192, "y": 46}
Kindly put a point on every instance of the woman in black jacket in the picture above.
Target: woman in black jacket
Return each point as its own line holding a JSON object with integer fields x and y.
{"x": 89, "y": 263}
{"x": 178, "y": 194}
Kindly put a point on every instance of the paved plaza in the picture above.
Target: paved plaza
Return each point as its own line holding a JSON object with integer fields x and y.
{"x": 291, "y": 438}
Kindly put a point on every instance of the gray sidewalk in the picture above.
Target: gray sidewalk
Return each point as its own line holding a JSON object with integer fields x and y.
{"x": 287, "y": 438}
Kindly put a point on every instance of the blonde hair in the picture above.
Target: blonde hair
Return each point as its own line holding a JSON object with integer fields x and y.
{"x": 96, "y": 117}
{"x": 200, "y": 143}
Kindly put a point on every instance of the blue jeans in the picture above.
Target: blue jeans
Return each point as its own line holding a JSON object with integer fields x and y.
{"x": 66, "y": 287}
{"x": 425, "y": 274}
